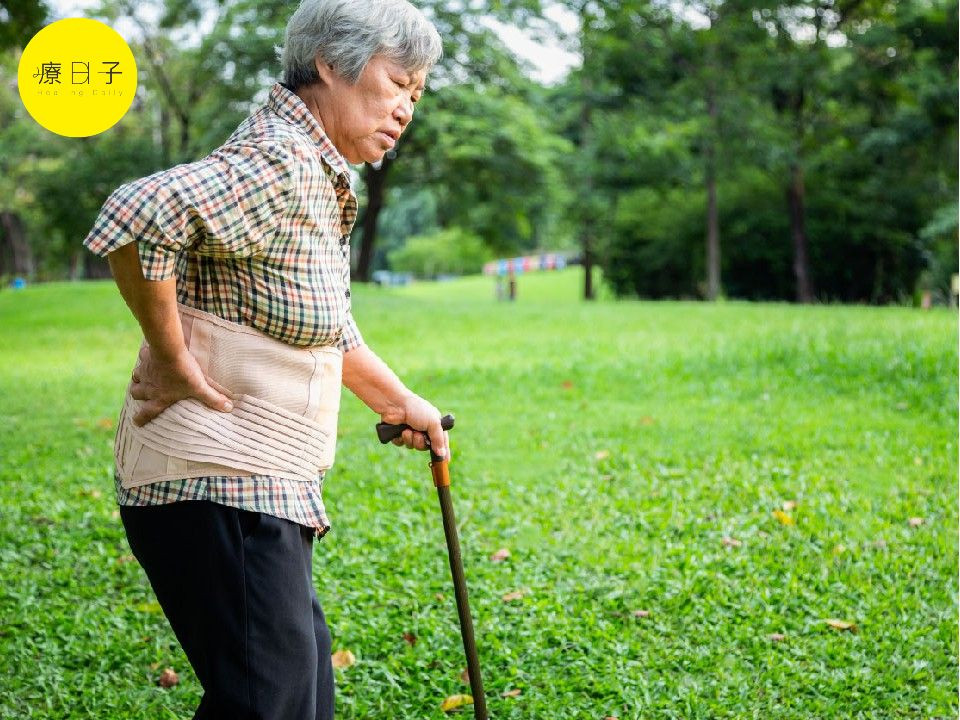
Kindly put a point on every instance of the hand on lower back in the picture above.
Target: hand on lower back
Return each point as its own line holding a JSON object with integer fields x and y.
{"x": 159, "y": 383}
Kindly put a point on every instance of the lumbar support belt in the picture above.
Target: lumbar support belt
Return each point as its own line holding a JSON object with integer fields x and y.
{"x": 284, "y": 420}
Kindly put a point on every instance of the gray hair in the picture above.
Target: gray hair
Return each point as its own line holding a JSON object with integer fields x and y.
{"x": 347, "y": 33}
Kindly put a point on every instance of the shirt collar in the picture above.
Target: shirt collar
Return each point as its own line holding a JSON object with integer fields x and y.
{"x": 289, "y": 106}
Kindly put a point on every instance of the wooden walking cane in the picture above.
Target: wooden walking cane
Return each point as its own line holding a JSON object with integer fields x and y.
{"x": 441, "y": 479}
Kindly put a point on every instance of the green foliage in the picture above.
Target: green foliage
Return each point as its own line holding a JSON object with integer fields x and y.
{"x": 452, "y": 251}
{"x": 869, "y": 125}
{"x": 856, "y": 99}
{"x": 611, "y": 469}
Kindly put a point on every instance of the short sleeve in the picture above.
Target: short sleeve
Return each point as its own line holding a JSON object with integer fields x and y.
{"x": 351, "y": 337}
{"x": 226, "y": 205}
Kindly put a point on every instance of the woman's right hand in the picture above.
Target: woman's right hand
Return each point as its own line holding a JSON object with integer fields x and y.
{"x": 160, "y": 382}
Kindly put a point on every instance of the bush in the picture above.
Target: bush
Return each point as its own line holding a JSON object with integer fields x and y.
{"x": 452, "y": 251}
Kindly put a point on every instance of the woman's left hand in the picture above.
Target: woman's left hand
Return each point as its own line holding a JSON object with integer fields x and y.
{"x": 421, "y": 415}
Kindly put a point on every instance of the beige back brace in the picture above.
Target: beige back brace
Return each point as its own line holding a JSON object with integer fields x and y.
{"x": 286, "y": 400}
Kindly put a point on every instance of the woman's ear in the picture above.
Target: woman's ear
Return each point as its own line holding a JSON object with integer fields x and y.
{"x": 324, "y": 70}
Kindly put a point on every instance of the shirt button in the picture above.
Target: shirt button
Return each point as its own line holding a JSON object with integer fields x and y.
{"x": 344, "y": 239}
{"x": 347, "y": 293}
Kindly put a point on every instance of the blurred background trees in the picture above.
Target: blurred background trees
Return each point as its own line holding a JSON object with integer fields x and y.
{"x": 799, "y": 150}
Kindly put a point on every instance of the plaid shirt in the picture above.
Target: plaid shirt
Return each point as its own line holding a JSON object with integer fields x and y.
{"x": 258, "y": 233}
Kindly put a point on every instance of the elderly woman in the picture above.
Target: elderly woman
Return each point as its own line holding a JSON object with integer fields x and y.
{"x": 237, "y": 269}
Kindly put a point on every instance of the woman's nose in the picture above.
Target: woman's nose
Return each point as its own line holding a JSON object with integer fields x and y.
{"x": 404, "y": 112}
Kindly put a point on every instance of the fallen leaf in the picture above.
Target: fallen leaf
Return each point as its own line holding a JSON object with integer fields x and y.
{"x": 641, "y": 613}
{"x": 841, "y": 625}
{"x": 511, "y": 693}
{"x": 410, "y": 638}
{"x": 455, "y": 701}
{"x": 916, "y": 521}
{"x": 789, "y": 505}
{"x": 168, "y": 678}
{"x": 567, "y": 384}
{"x": 777, "y": 637}
{"x": 783, "y": 517}
{"x": 439, "y": 596}
{"x": 500, "y": 555}
{"x": 115, "y": 514}
{"x": 515, "y": 595}
{"x": 646, "y": 420}
{"x": 465, "y": 677}
{"x": 343, "y": 659}
{"x": 154, "y": 665}
{"x": 839, "y": 549}
{"x": 125, "y": 559}
{"x": 731, "y": 542}
{"x": 602, "y": 454}
{"x": 105, "y": 423}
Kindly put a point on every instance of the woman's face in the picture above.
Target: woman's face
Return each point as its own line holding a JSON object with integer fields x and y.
{"x": 364, "y": 121}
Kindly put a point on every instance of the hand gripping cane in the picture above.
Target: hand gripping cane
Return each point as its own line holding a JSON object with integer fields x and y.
{"x": 441, "y": 479}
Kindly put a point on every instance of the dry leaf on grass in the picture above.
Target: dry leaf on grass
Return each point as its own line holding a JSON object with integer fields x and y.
{"x": 455, "y": 701}
{"x": 511, "y": 693}
{"x": 783, "y": 517}
{"x": 515, "y": 595}
{"x": 602, "y": 454}
{"x": 646, "y": 420}
{"x": 500, "y": 555}
{"x": 641, "y": 613}
{"x": 567, "y": 384}
{"x": 168, "y": 678}
{"x": 410, "y": 638}
{"x": 731, "y": 542}
{"x": 105, "y": 423}
{"x": 465, "y": 677}
{"x": 343, "y": 659}
{"x": 125, "y": 559}
{"x": 777, "y": 637}
{"x": 841, "y": 624}
{"x": 789, "y": 505}
{"x": 916, "y": 521}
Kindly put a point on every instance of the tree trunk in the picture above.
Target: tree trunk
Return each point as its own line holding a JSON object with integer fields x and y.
{"x": 798, "y": 231}
{"x": 164, "y": 132}
{"x": 713, "y": 219}
{"x": 586, "y": 222}
{"x": 375, "y": 179}
{"x": 587, "y": 244}
{"x": 95, "y": 267}
{"x": 16, "y": 257}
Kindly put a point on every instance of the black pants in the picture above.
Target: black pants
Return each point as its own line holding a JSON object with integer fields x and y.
{"x": 237, "y": 589}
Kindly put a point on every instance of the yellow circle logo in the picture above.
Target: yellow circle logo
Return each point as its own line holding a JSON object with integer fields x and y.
{"x": 77, "y": 77}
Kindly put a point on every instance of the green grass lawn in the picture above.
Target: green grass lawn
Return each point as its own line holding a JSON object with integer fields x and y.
{"x": 611, "y": 447}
